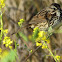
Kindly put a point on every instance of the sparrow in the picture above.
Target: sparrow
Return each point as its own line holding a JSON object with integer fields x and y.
{"x": 47, "y": 17}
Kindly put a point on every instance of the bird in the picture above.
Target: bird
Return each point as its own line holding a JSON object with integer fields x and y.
{"x": 49, "y": 16}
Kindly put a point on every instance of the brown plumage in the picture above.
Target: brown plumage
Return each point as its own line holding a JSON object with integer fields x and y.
{"x": 49, "y": 16}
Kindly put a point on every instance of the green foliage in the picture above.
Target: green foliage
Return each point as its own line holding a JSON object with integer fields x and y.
{"x": 38, "y": 35}
{"x": 2, "y": 5}
{"x": 23, "y": 36}
{"x": 10, "y": 57}
{"x": 58, "y": 31}
{"x": 42, "y": 39}
{"x": 5, "y": 55}
{"x": 50, "y": 29}
{"x": 35, "y": 33}
{"x": 1, "y": 28}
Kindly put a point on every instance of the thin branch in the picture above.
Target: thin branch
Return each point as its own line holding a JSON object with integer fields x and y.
{"x": 32, "y": 53}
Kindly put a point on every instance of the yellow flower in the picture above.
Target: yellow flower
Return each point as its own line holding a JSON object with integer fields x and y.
{"x": 10, "y": 47}
{"x": 35, "y": 29}
{"x": 57, "y": 57}
{"x": 5, "y": 38}
{"x": 38, "y": 39}
{"x": 48, "y": 40}
{"x": 41, "y": 33}
{"x": 20, "y": 22}
{"x": 44, "y": 36}
{"x": 2, "y": 4}
{"x": 7, "y": 41}
{"x": 4, "y": 42}
{"x": 6, "y": 31}
{"x": 0, "y": 50}
{"x": 6, "y": 45}
{"x": 31, "y": 51}
{"x": 44, "y": 47}
{"x": 38, "y": 44}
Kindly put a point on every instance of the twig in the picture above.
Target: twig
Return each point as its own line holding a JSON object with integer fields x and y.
{"x": 32, "y": 53}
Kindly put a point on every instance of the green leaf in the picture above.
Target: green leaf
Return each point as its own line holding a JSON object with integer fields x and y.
{"x": 11, "y": 57}
{"x": 50, "y": 29}
{"x": 23, "y": 36}
{"x": 58, "y": 31}
{"x": 35, "y": 33}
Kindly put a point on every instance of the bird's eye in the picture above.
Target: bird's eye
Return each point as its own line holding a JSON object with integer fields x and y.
{"x": 54, "y": 8}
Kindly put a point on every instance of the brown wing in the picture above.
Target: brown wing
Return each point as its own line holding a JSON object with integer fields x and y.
{"x": 39, "y": 18}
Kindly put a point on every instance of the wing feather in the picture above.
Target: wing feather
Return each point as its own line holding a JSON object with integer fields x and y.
{"x": 39, "y": 18}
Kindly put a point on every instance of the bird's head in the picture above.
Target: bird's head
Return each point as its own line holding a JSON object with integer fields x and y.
{"x": 55, "y": 9}
{"x": 55, "y": 6}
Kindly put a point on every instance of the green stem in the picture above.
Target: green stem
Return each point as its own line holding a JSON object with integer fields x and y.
{"x": 50, "y": 52}
{"x": 1, "y": 27}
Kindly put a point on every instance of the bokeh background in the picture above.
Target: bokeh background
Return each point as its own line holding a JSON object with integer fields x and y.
{"x": 26, "y": 9}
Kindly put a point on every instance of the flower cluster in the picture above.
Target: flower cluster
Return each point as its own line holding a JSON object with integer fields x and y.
{"x": 20, "y": 22}
{"x": 38, "y": 43}
{"x": 57, "y": 57}
{"x": 44, "y": 36}
{"x": 7, "y": 41}
{"x": 2, "y": 4}
{"x": 5, "y": 31}
{"x": 40, "y": 37}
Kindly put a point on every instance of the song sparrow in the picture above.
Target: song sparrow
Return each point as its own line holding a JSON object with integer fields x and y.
{"x": 49, "y": 16}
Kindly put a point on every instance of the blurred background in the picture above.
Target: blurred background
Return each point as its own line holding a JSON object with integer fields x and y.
{"x": 26, "y": 9}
